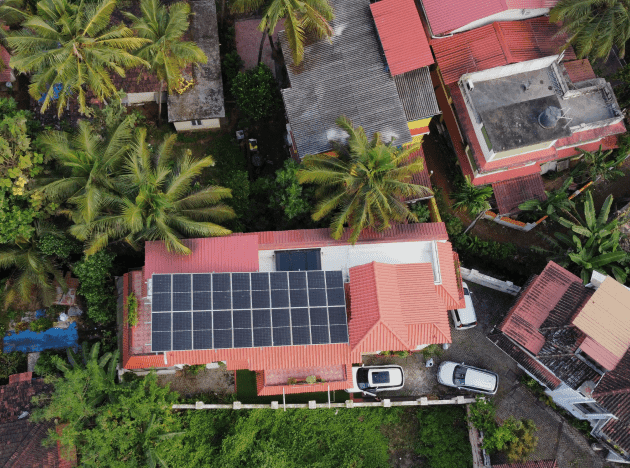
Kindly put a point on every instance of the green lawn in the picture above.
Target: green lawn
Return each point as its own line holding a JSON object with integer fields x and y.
{"x": 246, "y": 392}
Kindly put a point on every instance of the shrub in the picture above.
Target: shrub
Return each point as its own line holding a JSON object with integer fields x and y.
{"x": 432, "y": 350}
{"x": 41, "y": 324}
{"x": 96, "y": 287}
{"x": 132, "y": 310}
{"x": 47, "y": 362}
{"x": 60, "y": 246}
{"x": 21, "y": 326}
{"x": 523, "y": 442}
{"x": 422, "y": 211}
{"x": 256, "y": 93}
{"x": 292, "y": 381}
{"x": 195, "y": 369}
{"x": 311, "y": 379}
{"x": 12, "y": 363}
{"x": 231, "y": 64}
{"x": 443, "y": 437}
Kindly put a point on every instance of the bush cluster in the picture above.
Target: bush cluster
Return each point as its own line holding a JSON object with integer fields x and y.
{"x": 96, "y": 286}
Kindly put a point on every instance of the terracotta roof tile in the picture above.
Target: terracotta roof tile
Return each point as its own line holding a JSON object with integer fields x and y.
{"x": 511, "y": 193}
{"x": 5, "y": 75}
{"x": 605, "y": 318}
{"x": 534, "y": 306}
{"x": 447, "y": 15}
{"x": 579, "y": 70}
{"x": 530, "y": 464}
{"x": 398, "y": 24}
{"x": 590, "y": 135}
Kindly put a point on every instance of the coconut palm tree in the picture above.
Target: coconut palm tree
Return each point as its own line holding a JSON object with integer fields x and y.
{"x": 592, "y": 244}
{"x": 71, "y": 48}
{"x": 594, "y": 26}
{"x": 166, "y": 54}
{"x": 156, "y": 198}
{"x": 473, "y": 198}
{"x": 300, "y": 18}
{"x": 33, "y": 271}
{"x": 364, "y": 184}
{"x": 86, "y": 163}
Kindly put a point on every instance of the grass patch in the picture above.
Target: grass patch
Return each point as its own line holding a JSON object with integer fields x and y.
{"x": 246, "y": 392}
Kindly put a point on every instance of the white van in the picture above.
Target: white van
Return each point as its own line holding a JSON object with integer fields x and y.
{"x": 466, "y": 317}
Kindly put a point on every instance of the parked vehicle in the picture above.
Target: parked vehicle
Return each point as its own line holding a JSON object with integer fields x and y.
{"x": 468, "y": 378}
{"x": 466, "y": 317}
{"x": 372, "y": 379}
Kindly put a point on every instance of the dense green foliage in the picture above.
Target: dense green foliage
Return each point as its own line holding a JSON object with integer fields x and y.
{"x": 363, "y": 183}
{"x": 422, "y": 212}
{"x": 594, "y": 27}
{"x": 41, "y": 324}
{"x": 47, "y": 362}
{"x": 109, "y": 424}
{"x": 471, "y": 197}
{"x": 295, "y": 438}
{"x": 132, "y": 310}
{"x": 75, "y": 47}
{"x": 95, "y": 285}
{"x": 61, "y": 246}
{"x": 286, "y": 193}
{"x": 256, "y": 93}
{"x": 11, "y": 363}
{"x": 599, "y": 165}
{"x": 443, "y": 437}
{"x": 231, "y": 64}
{"x": 557, "y": 203}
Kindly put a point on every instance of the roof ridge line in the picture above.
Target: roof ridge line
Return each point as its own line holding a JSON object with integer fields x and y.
{"x": 502, "y": 42}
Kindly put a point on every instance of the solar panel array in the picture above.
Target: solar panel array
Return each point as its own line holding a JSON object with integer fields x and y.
{"x": 243, "y": 310}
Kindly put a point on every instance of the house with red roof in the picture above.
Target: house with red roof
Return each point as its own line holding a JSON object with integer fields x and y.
{"x": 574, "y": 339}
{"x": 448, "y": 17}
{"x": 516, "y": 107}
{"x": 290, "y": 304}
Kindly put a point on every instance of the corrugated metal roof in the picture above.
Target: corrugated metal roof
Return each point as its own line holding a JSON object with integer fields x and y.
{"x": 346, "y": 76}
{"x": 534, "y": 305}
{"x": 605, "y": 318}
{"x": 530, "y": 464}
{"x": 447, "y": 15}
{"x": 236, "y": 252}
{"x": 511, "y": 193}
{"x": 579, "y": 70}
{"x": 498, "y": 44}
{"x": 416, "y": 93}
{"x": 398, "y": 23}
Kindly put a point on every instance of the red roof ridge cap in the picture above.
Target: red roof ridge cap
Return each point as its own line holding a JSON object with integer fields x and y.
{"x": 503, "y": 42}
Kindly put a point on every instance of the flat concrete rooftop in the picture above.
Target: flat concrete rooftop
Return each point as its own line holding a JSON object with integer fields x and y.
{"x": 509, "y": 107}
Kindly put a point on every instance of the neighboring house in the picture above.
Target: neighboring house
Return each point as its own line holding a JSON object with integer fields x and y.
{"x": 530, "y": 464}
{"x": 448, "y": 17}
{"x": 515, "y": 109}
{"x": 6, "y": 73}
{"x": 140, "y": 86}
{"x": 291, "y": 304}
{"x": 575, "y": 340}
{"x": 21, "y": 440}
{"x": 368, "y": 71}
{"x": 200, "y": 106}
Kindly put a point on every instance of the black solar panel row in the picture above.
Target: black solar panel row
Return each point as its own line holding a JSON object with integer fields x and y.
{"x": 225, "y": 310}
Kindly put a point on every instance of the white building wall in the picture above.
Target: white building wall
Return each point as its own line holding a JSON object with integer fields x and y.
{"x": 508, "y": 15}
{"x": 344, "y": 257}
{"x": 205, "y": 124}
{"x": 566, "y": 397}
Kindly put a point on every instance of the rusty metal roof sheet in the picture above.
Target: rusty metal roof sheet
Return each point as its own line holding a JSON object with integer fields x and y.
{"x": 511, "y": 193}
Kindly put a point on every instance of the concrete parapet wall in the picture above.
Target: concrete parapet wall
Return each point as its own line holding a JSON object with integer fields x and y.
{"x": 490, "y": 282}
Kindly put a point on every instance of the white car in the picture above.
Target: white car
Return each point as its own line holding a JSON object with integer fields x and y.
{"x": 468, "y": 378}
{"x": 373, "y": 379}
{"x": 466, "y": 317}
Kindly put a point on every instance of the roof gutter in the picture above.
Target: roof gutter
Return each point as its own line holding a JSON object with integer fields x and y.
{"x": 429, "y": 24}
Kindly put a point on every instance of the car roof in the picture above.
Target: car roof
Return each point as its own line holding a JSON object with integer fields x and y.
{"x": 479, "y": 379}
{"x": 395, "y": 375}
{"x": 467, "y": 315}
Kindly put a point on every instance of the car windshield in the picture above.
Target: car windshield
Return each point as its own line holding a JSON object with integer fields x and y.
{"x": 466, "y": 292}
{"x": 459, "y": 375}
{"x": 362, "y": 378}
{"x": 380, "y": 377}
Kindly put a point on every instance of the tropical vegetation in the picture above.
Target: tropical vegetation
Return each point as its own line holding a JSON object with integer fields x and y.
{"x": 599, "y": 165}
{"x": 301, "y": 18}
{"x": 71, "y": 50}
{"x": 470, "y": 197}
{"x": 592, "y": 243}
{"x": 556, "y": 203}
{"x": 594, "y": 27}
{"x": 443, "y": 437}
{"x": 363, "y": 183}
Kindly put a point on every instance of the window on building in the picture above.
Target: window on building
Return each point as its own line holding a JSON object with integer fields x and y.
{"x": 590, "y": 408}
{"x": 298, "y": 260}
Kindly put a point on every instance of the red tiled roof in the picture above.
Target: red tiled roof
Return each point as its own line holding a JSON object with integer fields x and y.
{"x": 137, "y": 80}
{"x": 419, "y": 178}
{"x": 5, "y": 75}
{"x": 275, "y": 381}
{"x": 511, "y": 193}
{"x": 530, "y": 4}
{"x": 497, "y": 44}
{"x": 450, "y": 291}
{"x": 530, "y": 464}
{"x": 609, "y": 142}
{"x": 448, "y": 15}
{"x": 236, "y": 252}
{"x": 395, "y": 307}
{"x": 535, "y": 304}
{"x": 579, "y": 70}
{"x": 399, "y": 25}
{"x": 590, "y": 135}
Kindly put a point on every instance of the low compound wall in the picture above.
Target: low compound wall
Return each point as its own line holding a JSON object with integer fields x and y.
{"x": 484, "y": 280}
{"x": 385, "y": 403}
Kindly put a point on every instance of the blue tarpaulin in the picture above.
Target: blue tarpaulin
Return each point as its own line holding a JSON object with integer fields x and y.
{"x": 39, "y": 313}
{"x": 31, "y": 342}
{"x": 56, "y": 90}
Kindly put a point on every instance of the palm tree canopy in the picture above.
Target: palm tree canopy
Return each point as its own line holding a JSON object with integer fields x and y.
{"x": 594, "y": 26}
{"x": 164, "y": 27}
{"x": 472, "y": 197}
{"x": 70, "y": 48}
{"x": 155, "y": 198}
{"x": 364, "y": 183}
{"x": 33, "y": 271}
{"x": 301, "y": 17}
{"x": 87, "y": 162}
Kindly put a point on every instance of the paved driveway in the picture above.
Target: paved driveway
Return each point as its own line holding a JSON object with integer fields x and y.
{"x": 557, "y": 439}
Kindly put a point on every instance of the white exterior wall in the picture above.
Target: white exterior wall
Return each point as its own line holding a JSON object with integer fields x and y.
{"x": 508, "y": 15}
{"x": 140, "y": 98}
{"x": 344, "y": 257}
{"x": 566, "y": 397}
{"x": 205, "y": 125}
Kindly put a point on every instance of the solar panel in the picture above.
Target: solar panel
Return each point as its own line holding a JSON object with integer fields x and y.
{"x": 241, "y": 310}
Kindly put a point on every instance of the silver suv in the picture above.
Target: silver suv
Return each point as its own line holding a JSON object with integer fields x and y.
{"x": 468, "y": 378}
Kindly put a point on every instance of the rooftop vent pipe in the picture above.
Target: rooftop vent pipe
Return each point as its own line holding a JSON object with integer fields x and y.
{"x": 549, "y": 117}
